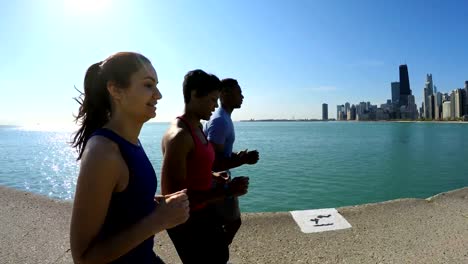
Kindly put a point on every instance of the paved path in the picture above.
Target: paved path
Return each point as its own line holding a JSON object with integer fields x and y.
{"x": 34, "y": 229}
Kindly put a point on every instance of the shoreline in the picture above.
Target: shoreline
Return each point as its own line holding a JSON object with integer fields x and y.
{"x": 432, "y": 230}
{"x": 353, "y": 121}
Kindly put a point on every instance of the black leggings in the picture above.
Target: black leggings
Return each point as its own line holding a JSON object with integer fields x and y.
{"x": 230, "y": 230}
{"x": 201, "y": 240}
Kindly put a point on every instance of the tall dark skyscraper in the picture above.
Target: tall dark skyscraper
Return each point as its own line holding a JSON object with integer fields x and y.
{"x": 324, "y": 111}
{"x": 404, "y": 85}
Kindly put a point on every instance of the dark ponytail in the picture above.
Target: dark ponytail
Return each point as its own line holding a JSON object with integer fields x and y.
{"x": 95, "y": 102}
{"x": 94, "y": 107}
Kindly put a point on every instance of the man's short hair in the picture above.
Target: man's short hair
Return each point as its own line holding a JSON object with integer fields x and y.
{"x": 228, "y": 84}
{"x": 200, "y": 82}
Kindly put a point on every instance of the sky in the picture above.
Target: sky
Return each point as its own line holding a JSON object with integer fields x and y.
{"x": 288, "y": 56}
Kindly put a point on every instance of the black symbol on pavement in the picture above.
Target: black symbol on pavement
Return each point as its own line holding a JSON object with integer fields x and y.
{"x": 329, "y": 224}
{"x": 323, "y": 216}
{"x": 316, "y": 220}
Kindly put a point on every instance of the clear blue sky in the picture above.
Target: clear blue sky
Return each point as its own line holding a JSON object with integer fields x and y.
{"x": 289, "y": 56}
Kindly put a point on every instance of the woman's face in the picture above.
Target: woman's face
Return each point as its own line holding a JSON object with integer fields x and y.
{"x": 139, "y": 100}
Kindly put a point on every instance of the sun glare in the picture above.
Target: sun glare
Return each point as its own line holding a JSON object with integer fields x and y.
{"x": 86, "y": 6}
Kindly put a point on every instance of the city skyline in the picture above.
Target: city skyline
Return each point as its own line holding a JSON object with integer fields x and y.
{"x": 289, "y": 57}
{"x": 402, "y": 104}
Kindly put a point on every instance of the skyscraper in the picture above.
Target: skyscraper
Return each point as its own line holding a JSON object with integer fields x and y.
{"x": 437, "y": 105}
{"x": 361, "y": 108}
{"x": 429, "y": 83}
{"x": 458, "y": 107}
{"x": 351, "y": 115}
{"x": 425, "y": 103}
{"x": 431, "y": 108}
{"x": 463, "y": 102}
{"x": 428, "y": 99}
{"x": 447, "y": 110}
{"x": 396, "y": 93}
{"x": 404, "y": 85}
{"x": 412, "y": 107}
{"x": 340, "y": 114}
{"x": 466, "y": 98}
{"x": 452, "y": 104}
{"x": 324, "y": 112}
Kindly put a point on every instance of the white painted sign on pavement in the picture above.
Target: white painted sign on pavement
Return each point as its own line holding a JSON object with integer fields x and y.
{"x": 319, "y": 220}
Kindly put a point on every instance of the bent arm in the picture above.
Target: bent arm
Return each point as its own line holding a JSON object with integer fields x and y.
{"x": 216, "y": 132}
{"x": 222, "y": 162}
{"x": 100, "y": 170}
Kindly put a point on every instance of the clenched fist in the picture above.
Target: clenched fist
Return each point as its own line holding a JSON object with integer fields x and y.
{"x": 173, "y": 209}
{"x": 238, "y": 186}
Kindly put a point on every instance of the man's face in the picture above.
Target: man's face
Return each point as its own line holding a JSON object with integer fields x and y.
{"x": 234, "y": 97}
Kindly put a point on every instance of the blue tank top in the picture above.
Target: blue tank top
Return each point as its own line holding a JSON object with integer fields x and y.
{"x": 135, "y": 202}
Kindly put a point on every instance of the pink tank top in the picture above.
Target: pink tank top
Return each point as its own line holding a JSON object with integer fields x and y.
{"x": 199, "y": 164}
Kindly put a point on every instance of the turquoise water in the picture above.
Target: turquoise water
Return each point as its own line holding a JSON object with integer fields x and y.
{"x": 302, "y": 165}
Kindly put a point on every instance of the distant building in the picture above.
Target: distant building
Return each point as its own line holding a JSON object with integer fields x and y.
{"x": 458, "y": 103}
{"x": 410, "y": 111}
{"x": 361, "y": 108}
{"x": 412, "y": 107}
{"x": 412, "y": 104}
{"x": 446, "y": 110}
{"x": 431, "y": 107}
{"x": 338, "y": 112}
{"x": 437, "y": 106}
{"x": 324, "y": 111}
{"x": 425, "y": 103}
{"x": 445, "y": 97}
{"x": 381, "y": 114}
{"x": 452, "y": 104}
{"x": 351, "y": 115}
{"x": 464, "y": 105}
{"x": 395, "y": 93}
{"x": 388, "y": 107}
{"x": 365, "y": 117}
{"x": 466, "y": 98}
{"x": 341, "y": 116}
{"x": 428, "y": 100}
{"x": 429, "y": 83}
{"x": 405, "y": 89}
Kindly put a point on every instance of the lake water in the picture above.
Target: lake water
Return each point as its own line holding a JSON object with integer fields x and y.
{"x": 303, "y": 165}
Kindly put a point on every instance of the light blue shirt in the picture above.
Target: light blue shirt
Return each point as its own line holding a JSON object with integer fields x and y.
{"x": 220, "y": 130}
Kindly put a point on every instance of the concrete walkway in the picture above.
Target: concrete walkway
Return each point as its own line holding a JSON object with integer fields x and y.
{"x": 34, "y": 229}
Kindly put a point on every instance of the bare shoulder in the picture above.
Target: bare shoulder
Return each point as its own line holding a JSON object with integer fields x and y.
{"x": 101, "y": 148}
{"x": 177, "y": 135}
{"x": 102, "y": 157}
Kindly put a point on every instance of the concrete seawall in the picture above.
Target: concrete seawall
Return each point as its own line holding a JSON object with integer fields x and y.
{"x": 35, "y": 229}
